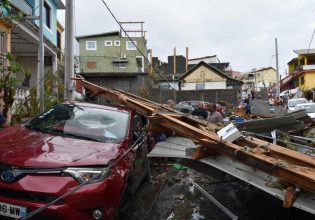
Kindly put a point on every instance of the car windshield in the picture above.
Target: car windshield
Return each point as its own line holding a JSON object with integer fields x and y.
{"x": 82, "y": 122}
{"x": 293, "y": 103}
{"x": 308, "y": 108}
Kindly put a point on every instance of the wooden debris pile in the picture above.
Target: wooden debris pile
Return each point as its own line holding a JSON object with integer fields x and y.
{"x": 295, "y": 169}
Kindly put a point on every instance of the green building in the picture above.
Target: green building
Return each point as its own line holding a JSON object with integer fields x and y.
{"x": 113, "y": 61}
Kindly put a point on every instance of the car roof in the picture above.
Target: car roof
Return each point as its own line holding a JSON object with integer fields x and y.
{"x": 305, "y": 104}
{"x": 298, "y": 99}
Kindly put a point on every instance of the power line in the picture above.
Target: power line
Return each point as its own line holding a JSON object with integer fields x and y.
{"x": 309, "y": 46}
{"x": 146, "y": 59}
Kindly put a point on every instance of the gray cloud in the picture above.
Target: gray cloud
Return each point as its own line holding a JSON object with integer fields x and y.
{"x": 241, "y": 32}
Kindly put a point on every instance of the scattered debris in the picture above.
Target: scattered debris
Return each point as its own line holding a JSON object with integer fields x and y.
{"x": 216, "y": 202}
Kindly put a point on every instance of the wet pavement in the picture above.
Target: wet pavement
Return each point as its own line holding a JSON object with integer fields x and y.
{"x": 260, "y": 106}
{"x": 171, "y": 195}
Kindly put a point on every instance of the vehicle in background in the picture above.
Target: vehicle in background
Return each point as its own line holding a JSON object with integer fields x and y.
{"x": 187, "y": 107}
{"x": 184, "y": 108}
{"x": 293, "y": 102}
{"x": 66, "y": 146}
{"x": 308, "y": 107}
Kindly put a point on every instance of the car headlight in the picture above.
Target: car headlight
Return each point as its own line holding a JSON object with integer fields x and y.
{"x": 87, "y": 174}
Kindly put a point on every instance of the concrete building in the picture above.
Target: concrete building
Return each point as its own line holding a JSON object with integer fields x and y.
{"x": 301, "y": 71}
{"x": 258, "y": 79}
{"x": 113, "y": 61}
{"x": 25, "y": 36}
{"x": 201, "y": 77}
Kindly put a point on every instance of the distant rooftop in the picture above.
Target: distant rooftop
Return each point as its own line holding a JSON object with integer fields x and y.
{"x": 206, "y": 57}
{"x": 262, "y": 69}
{"x": 111, "y": 33}
{"x": 304, "y": 51}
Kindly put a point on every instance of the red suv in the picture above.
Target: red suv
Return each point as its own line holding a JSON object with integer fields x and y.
{"x": 101, "y": 148}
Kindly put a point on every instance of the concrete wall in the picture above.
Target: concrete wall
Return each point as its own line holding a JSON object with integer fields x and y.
{"x": 29, "y": 63}
{"x": 120, "y": 82}
{"x": 208, "y": 85}
{"x": 228, "y": 95}
{"x": 203, "y": 74}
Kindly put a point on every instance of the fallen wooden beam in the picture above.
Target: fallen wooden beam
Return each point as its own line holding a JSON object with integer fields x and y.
{"x": 290, "y": 166}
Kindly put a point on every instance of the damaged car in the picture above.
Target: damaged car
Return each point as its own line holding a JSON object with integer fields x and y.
{"x": 87, "y": 160}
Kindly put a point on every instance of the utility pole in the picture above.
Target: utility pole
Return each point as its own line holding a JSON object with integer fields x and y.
{"x": 40, "y": 74}
{"x": 174, "y": 61}
{"x": 277, "y": 69}
{"x": 186, "y": 66}
{"x": 69, "y": 62}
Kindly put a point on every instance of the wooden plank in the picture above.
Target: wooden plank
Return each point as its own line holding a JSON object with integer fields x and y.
{"x": 293, "y": 167}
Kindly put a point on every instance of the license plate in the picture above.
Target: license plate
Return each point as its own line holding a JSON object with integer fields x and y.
{"x": 13, "y": 211}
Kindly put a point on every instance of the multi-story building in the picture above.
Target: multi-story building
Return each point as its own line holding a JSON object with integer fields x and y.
{"x": 259, "y": 78}
{"x": 113, "y": 60}
{"x": 301, "y": 71}
{"x": 24, "y": 39}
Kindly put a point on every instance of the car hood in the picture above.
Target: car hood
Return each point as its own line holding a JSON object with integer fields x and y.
{"x": 20, "y": 146}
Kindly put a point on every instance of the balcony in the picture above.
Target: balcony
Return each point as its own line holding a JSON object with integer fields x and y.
{"x": 22, "y": 5}
{"x": 308, "y": 67}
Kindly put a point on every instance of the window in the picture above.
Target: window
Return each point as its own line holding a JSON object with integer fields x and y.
{"x": 200, "y": 86}
{"x": 48, "y": 61}
{"x": 119, "y": 65}
{"x": 3, "y": 49}
{"x": 47, "y": 15}
{"x": 90, "y": 45}
{"x": 131, "y": 45}
{"x": 140, "y": 63}
{"x": 83, "y": 123}
{"x": 108, "y": 43}
{"x": 117, "y": 43}
{"x": 302, "y": 80}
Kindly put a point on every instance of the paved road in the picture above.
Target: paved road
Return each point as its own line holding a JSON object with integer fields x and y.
{"x": 260, "y": 106}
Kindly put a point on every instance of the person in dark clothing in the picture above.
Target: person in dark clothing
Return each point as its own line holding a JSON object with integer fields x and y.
{"x": 248, "y": 109}
{"x": 247, "y": 99}
{"x": 201, "y": 111}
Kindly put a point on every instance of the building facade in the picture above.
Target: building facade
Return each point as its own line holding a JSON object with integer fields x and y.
{"x": 301, "y": 71}
{"x": 25, "y": 36}
{"x": 112, "y": 60}
{"x": 257, "y": 79}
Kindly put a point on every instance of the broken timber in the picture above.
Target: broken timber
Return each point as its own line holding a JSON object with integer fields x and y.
{"x": 294, "y": 168}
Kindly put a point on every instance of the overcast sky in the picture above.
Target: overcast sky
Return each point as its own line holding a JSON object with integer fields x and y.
{"x": 241, "y": 32}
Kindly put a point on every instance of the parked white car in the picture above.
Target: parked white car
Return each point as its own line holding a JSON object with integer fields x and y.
{"x": 293, "y": 102}
{"x": 309, "y": 108}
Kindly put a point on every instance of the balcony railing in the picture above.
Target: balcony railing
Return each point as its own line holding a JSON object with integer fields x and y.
{"x": 308, "y": 67}
{"x": 23, "y": 5}
{"x": 304, "y": 67}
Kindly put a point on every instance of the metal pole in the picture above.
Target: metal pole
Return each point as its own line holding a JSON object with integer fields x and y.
{"x": 41, "y": 50}
{"x": 277, "y": 69}
{"x": 69, "y": 62}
